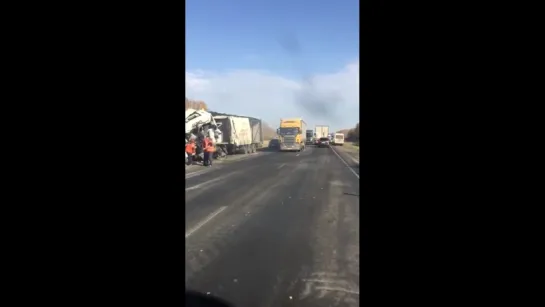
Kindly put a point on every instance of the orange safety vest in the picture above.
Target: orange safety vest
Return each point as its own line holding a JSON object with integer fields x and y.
{"x": 210, "y": 148}
{"x": 205, "y": 143}
{"x": 190, "y": 148}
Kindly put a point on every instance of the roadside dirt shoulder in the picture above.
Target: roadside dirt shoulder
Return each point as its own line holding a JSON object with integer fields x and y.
{"x": 351, "y": 150}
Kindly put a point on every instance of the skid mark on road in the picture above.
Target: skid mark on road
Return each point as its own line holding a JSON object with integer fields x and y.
{"x": 206, "y": 246}
{"x": 321, "y": 287}
{"x": 333, "y": 277}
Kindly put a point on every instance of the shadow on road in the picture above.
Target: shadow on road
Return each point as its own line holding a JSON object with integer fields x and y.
{"x": 194, "y": 298}
{"x": 267, "y": 149}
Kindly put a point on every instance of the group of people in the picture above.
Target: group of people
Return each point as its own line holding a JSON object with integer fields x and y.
{"x": 208, "y": 148}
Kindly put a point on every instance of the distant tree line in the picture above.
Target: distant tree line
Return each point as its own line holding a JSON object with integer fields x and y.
{"x": 353, "y": 134}
{"x": 195, "y": 104}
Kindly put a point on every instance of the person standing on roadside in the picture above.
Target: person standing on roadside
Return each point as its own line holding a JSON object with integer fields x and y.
{"x": 205, "y": 143}
{"x": 194, "y": 149}
{"x": 190, "y": 150}
{"x": 210, "y": 150}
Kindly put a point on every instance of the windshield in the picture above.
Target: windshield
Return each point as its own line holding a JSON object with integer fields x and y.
{"x": 289, "y": 131}
{"x": 272, "y": 206}
{"x": 339, "y": 137}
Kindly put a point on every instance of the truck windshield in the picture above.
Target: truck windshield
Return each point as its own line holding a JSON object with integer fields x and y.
{"x": 289, "y": 131}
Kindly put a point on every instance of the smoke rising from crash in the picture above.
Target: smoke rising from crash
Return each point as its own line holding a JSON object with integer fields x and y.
{"x": 318, "y": 103}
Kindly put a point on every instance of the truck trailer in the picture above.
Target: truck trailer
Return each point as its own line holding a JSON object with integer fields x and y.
{"x": 239, "y": 134}
{"x": 322, "y": 131}
{"x": 310, "y": 137}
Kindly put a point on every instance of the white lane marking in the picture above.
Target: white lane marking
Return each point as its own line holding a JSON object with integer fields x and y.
{"x": 338, "y": 290}
{"x": 297, "y": 155}
{"x": 193, "y": 174}
{"x": 281, "y": 166}
{"x": 206, "y": 220}
{"x": 210, "y": 181}
{"x": 345, "y": 163}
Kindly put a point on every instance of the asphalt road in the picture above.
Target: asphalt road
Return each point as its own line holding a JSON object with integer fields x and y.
{"x": 275, "y": 229}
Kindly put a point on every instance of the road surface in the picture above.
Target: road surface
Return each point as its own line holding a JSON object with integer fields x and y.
{"x": 275, "y": 229}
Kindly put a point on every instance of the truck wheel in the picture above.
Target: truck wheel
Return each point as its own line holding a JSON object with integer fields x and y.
{"x": 231, "y": 149}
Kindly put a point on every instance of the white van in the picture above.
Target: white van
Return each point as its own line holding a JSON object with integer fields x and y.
{"x": 338, "y": 139}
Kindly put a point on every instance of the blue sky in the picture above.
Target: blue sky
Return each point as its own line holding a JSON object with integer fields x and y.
{"x": 247, "y": 33}
{"x": 268, "y": 58}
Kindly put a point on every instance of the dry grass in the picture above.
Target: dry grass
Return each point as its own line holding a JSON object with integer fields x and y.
{"x": 352, "y": 146}
{"x": 352, "y": 149}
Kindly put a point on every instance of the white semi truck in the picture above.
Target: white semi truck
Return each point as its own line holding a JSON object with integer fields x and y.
{"x": 322, "y": 131}
{"x": 230, "y": 133}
